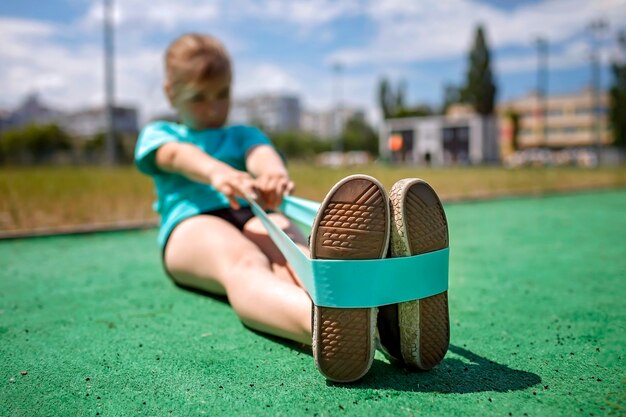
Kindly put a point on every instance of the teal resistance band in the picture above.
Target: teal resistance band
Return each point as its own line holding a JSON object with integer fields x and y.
{"x": 356, "y": 283}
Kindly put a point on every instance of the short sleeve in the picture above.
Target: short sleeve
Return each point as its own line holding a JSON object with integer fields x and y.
{"x": 150, "y": 139}
{"x": 252, "y": 137}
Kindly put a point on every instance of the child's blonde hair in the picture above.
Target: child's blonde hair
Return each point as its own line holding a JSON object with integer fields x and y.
{"x": 193, "y": 58}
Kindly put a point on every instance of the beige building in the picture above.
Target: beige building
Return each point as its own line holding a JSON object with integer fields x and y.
{"x": 567, "y": 121}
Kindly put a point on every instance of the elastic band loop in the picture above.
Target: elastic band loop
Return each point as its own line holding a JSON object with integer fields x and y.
{"x": 356, "y": 283}
{"x": 300, "y": 211}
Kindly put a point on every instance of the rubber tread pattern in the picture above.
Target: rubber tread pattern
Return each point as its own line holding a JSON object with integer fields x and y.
{"x": 352, "y": 224}
{"x": 419, "y": 226}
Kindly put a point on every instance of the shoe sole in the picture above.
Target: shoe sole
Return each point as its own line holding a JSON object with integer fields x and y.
{"x": 352, "y": 223}
{"x": 419, "y": 225}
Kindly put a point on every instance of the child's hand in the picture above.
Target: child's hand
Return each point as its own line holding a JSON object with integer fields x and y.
{"x": 233, "y": 183}
{"x": 272, "y": 186}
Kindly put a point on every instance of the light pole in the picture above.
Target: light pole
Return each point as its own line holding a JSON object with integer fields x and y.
{"x": 109, "y": 83}
{"x": 597, "y": 28}
{"x": 542, "y": 85}
{"x": 338, "y": 116}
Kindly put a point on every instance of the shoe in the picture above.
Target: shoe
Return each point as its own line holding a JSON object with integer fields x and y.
{"x": 352, "y": 223}
{"x": 416, "y": 333}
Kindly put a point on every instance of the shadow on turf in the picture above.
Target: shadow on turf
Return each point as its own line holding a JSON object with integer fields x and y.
{"x": 453, "y": 376}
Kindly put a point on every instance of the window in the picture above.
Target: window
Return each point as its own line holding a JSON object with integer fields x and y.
{"x": 555, "y": 112}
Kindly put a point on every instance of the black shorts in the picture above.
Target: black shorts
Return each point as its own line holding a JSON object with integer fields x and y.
{"x": 236, "y": 217}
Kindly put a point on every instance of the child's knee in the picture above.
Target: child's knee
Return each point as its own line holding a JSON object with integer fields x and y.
{"x": 249, "y": 260}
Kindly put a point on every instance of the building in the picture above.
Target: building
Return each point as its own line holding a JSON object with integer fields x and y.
{"x": 462, "y": 138}
{"x": 5, "y": 116}
{"x": 275, "y": 113}
{"x": 30, "y": 111}
{"x": 90, "y": 122}
{"x": 557, "y": 122}
{"x": 328, "y": 124}
{"x": 81, "y": 123}
{"x": 318, "y": 123}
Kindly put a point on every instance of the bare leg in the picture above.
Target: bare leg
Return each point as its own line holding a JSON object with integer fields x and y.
{"x": 208, "y": 253}
{"x": 255, "y": 231}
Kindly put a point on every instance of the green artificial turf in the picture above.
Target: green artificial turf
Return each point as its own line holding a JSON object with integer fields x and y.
{"x": 538, "y": 328}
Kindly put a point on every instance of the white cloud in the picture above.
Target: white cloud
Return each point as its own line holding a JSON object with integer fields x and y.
{"x": 31, "y": 60}
{"x": 71, "y": 77}
{"x": 255, "y": 77}
{"x": 159, "y": 15}
{"x": 308, "y": 13}
{"x": 573, "y": 55}
{"x": 436, "y": 29}
{"x": 139, "y": 81}
{"x": 64, "y": 63}
{"x": 12, "y": 33}
{"x": 154, "y": 15}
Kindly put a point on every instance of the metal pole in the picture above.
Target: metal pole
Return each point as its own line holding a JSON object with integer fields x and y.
{"x": 545, "y": 81}
{"x": 338, "y": 111}
{"x": 596, "y": 27}
{"x": 109, "y": 82}
{"x": 542, "y": 85}
{"x": 595, "y": 76}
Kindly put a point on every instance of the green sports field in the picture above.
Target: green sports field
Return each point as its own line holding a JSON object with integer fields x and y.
{"x": 90, "y": 325}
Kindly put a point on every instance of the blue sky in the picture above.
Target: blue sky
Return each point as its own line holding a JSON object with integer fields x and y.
{"x": 290, "y": 46}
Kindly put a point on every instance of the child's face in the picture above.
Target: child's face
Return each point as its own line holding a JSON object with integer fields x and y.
{"x": 206, "y": 105}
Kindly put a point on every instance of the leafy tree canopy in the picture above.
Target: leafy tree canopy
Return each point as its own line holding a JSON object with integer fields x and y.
{"x": 480, "y": 89}
{"x": 617, "y": 111}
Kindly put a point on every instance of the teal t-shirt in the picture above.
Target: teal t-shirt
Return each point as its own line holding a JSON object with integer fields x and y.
{"x": 178, "y": 197}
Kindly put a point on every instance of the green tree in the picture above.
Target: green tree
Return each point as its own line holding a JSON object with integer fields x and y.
{"x": 386, "y": 98}
{"x": 94, "y": 148}
{"x": 33, "y": 143}
{"x": 514, "y": 118}
{"x": 400, "y": 97}
{"x": 480, "y": 89}
{"x": 419, "y": 110}
{"x": 393, "y": 102}
{"x": 358, "y": 135}
{"x": 451, "y": 95}
{"x": 617, "y": 112}
{"x": 296, "y": 144}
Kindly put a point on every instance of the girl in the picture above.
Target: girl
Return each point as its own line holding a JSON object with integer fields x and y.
{"x": 210, "y": 239}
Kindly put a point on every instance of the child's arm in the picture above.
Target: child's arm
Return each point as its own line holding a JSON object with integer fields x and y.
{"x": 272, "y": 179}
{"x": 195, "y": 164}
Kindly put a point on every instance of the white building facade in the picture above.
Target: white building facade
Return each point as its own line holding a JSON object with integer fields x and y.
{"x": 275, "y": 113}
{"x": 82, "y": 123}
{"x": 440, "y": 140}
{"x": 328, "y": 124}
{"x": 87, "y": 123}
